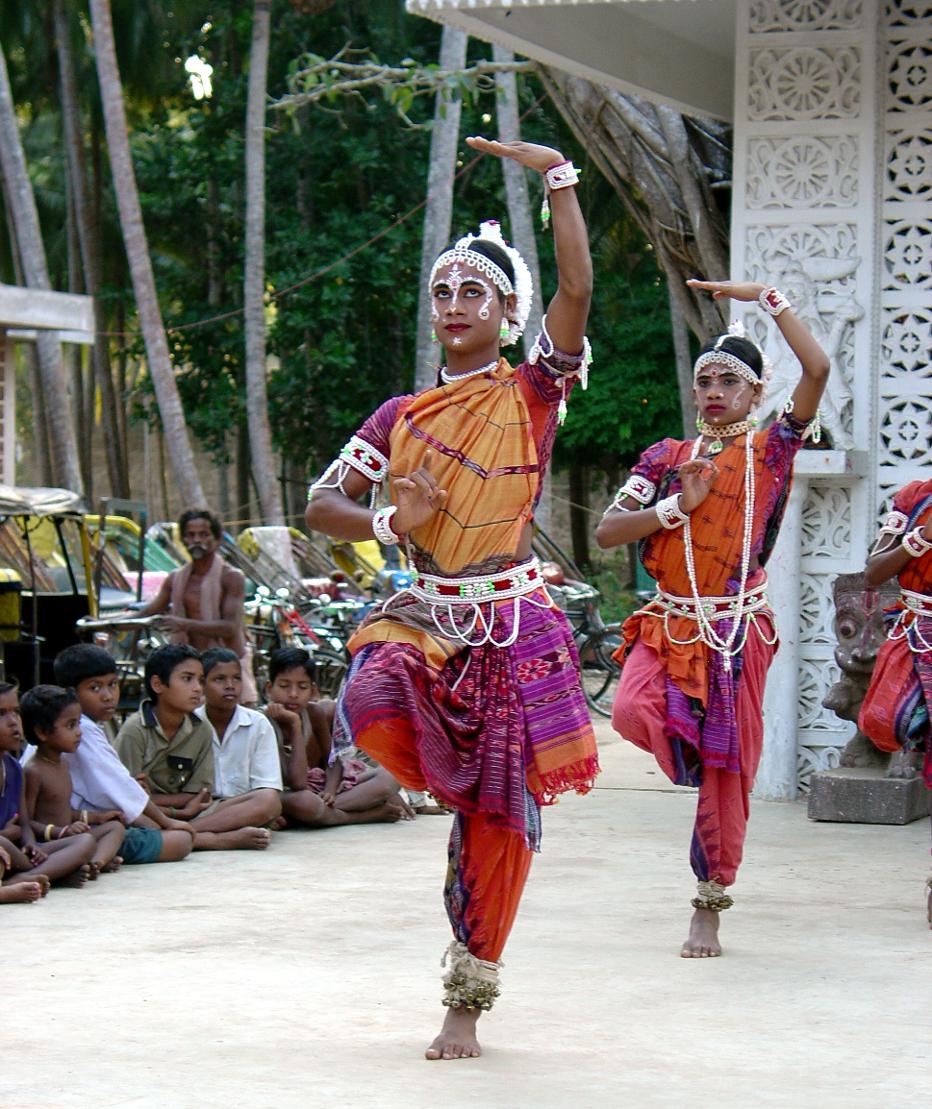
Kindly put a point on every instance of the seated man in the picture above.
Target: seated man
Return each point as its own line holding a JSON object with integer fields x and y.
{"x": 204, "y": 598}
{"x": 99, "y": 781}
{"x": 246, "y": 763}
{"x": 169, "y": 750}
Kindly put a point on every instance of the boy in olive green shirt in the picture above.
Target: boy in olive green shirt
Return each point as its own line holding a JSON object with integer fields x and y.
{"x": 169, "y": 750}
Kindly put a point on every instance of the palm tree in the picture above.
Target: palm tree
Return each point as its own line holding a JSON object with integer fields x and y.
{"x": 89, "y": 241}
{"x": 66, "y": 470}
{"x": 438, "y": 213}
{"x": 257, "y": 409}
{"x": 175, "y": 429}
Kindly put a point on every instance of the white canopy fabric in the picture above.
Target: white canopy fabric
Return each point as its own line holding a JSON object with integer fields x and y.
{"x": 677, "y": 52}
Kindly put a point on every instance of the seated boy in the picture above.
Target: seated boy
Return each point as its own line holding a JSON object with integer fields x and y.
{"x": 247, "y": 775}
{"x": 64, "y": 860}
{"x": 318, "y": 794}
{"x": 51, "y": 719}
{"x": 169, "y": 750}
{"x": 99, "y": 781}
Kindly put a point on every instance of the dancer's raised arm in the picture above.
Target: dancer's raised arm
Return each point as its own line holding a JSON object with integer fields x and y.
{"x": 812, "y": 358}
{"x": 569, "y": 309}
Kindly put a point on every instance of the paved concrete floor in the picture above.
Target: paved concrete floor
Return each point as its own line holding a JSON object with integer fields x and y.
{"x": 308, "y": 976}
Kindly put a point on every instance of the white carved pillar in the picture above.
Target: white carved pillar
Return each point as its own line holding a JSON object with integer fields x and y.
{"x": 803, "y": 216}
{"x": 776, "y": 776}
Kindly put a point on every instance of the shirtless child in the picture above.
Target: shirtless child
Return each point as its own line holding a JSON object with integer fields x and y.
{"x": 23, "y": 861}
{"x": 51, "y": 719}
{"x": 319, "y": 795}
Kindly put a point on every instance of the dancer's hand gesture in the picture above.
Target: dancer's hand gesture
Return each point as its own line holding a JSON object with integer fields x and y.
{"x": 418, "y": 497}
{"x": 697, "y": 477}
{"x": 529, "y": 154}
{"x": 729, "y": 290}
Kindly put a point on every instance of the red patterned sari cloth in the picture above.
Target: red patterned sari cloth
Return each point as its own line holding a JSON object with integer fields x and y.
{"x": 697, "y": 711}
{"x": 481, "y": 705}
{"x": 895, "y": 712}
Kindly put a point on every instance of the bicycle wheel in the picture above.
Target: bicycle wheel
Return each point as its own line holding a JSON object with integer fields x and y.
{"x": 330, "y": 667}
{"x": 598, "y": 671}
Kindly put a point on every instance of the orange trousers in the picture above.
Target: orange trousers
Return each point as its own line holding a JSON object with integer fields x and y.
{"x": 488, "y": 866}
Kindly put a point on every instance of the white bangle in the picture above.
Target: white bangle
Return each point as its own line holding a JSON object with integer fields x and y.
{"x": 561, "y": 176}
{"x": 382, "y": 526}
{"x": 773, "y": 301}
{"x": 669, "y": 512}
{"x": 915, "y": 544}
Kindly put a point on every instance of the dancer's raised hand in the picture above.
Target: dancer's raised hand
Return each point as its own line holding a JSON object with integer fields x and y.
{"x": 529, "y": 154}
{"x": 729, "y": 290}
{"x": 418, "y": 497}
{"x": 697, "y": 477}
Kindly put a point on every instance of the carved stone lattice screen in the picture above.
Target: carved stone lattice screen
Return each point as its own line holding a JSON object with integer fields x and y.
{"x": 832, "y": 201}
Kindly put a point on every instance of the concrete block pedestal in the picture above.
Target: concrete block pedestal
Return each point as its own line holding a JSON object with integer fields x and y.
{"x": 858, "y": 795}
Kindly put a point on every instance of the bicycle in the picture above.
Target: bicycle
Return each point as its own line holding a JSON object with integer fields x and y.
{"x": 595, "y": 641}
{"x": 276, "y": 622}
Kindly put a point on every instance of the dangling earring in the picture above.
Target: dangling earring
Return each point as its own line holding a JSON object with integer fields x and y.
{"x": 505, "y": 330}
{"x": 433, "y": 336}
{"x": 753, "y": 418}
{"x": 698, "y": 422}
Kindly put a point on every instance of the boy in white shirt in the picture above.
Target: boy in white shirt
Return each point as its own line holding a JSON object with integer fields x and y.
{"x": 245, "y": 748}
{"x": 99, "y": 780}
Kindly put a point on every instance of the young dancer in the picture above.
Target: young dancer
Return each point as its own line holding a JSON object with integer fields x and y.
{"x": 52, "y": 723}
{"x": 895, "y": 712}
{"x": 695, "y": 658}
{"x": 466, "y": 683}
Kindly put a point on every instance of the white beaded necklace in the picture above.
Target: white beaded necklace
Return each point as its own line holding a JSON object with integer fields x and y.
{"x": 449, "y": 378}
{"x": 707, "y": 632}
{"x": 727, "y": 431}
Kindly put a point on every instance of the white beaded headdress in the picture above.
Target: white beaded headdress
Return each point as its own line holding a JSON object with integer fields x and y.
{"x": 490, "y": 231}
{"x": 718, "y": 357}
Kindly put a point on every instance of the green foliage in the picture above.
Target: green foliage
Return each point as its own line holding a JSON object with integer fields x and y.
{"x": 337, "y": 176}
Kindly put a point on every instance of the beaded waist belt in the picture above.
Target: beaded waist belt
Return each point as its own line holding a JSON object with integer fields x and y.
{"x": 707, "y": 611}
{"x": 918, "y": 603}
{"x": 713, "y": 608}
{"x": 916, "y": 607}
{"x": 488, "y": 587}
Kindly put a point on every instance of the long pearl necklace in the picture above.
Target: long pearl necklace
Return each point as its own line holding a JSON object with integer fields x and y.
{"x": 717, "y": 434}
{"x": 707, "y": 632}
{"x": 449, "y": 378}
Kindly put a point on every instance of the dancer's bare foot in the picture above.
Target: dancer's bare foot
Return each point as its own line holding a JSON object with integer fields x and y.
{"x": 702, "y": 942}
{"x": 240, "y": 839}
{"x": 19, "y": 892}
{"x": 457, "y": 1039}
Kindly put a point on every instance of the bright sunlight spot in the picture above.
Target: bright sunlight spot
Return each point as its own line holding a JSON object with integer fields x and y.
{"x": 199, "y": 73}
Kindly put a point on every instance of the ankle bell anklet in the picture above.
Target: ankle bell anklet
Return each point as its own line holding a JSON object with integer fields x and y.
{"x": 469, "y": 982}
{"x": 712, "y": 896}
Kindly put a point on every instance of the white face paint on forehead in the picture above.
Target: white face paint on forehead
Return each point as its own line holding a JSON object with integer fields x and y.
{"x": 456, "y": 279}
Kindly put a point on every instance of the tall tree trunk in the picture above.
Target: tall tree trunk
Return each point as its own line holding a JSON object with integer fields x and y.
{"x": 82, "y": 405}
{"x": 438, "y": 213}
{"x": 140, "y": 264}
{"x": 684, "y": 368}
{"x": 520, "y": 215}
{"x": 579, "y": 517}
{"x": 521, "y": 220}
{"x": 90, "y": 255}
{"x": 257, "y": 405}
{"x": 66, "y": 469}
